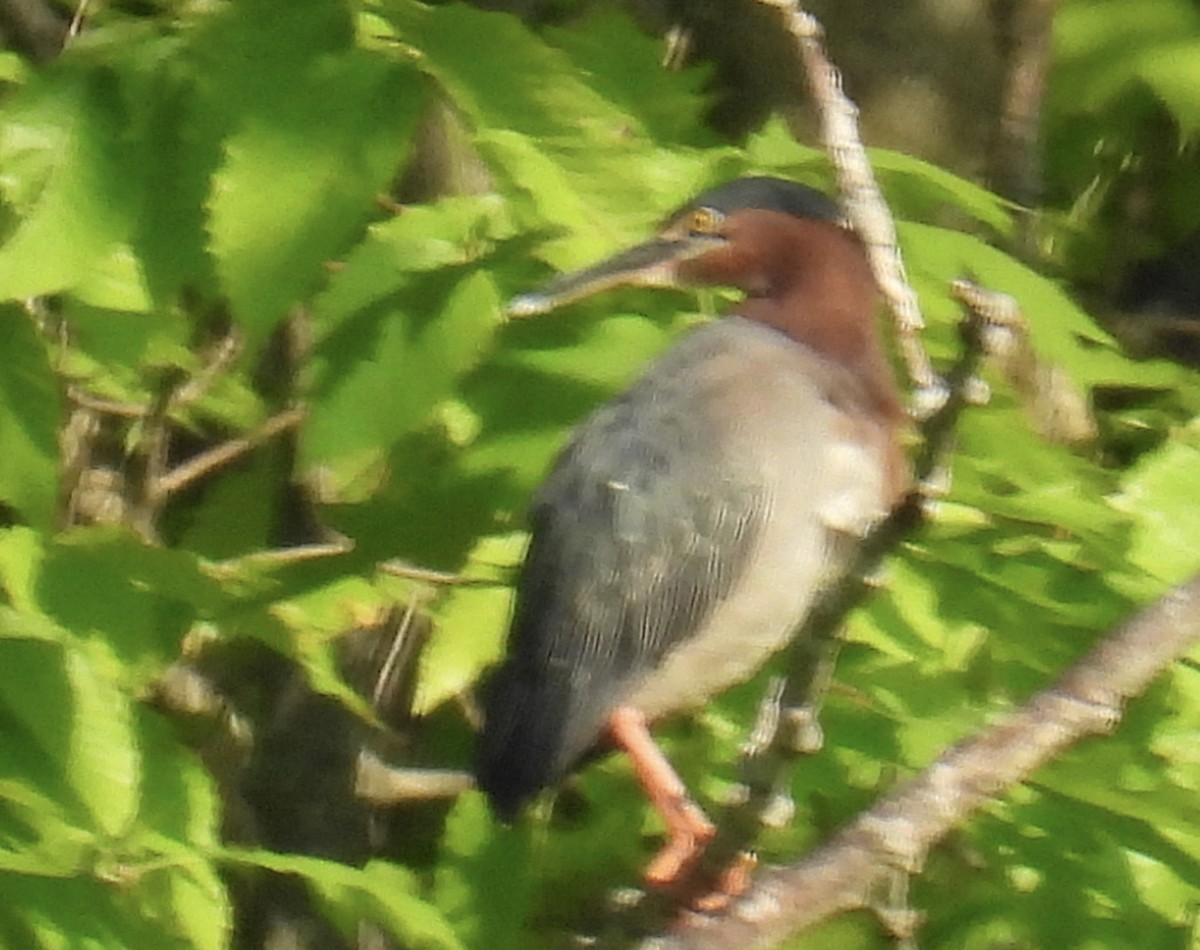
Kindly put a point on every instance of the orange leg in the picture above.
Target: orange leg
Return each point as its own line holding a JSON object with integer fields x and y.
{"x": 688, "y": 828}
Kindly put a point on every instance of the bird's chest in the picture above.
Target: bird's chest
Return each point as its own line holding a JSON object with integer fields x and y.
{"x": 818, "y": 471}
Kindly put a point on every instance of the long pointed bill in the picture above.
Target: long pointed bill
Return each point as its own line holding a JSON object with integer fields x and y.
{"x": 652, "y": 264}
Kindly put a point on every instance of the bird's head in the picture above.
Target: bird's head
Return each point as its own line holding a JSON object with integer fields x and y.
{"x": 786, "y": 246}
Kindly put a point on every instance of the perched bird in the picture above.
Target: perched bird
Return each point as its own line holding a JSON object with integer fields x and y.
{"x": 682, "y": 533}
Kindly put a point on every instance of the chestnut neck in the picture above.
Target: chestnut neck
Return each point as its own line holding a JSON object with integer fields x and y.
{"x": 811, "y": 280}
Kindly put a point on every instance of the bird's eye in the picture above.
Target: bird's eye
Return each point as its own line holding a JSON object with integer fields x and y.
{"x": 706, "y": 221}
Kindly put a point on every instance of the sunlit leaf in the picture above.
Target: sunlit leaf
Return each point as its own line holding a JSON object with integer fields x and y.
{"x": 383, "y": 894}
{"x": 61, "y": 153}
{"x": 29, "y": 421}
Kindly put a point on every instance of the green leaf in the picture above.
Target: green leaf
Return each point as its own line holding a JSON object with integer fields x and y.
{"x": 470, "y": 625}
{"x": 180, "y": 806}
{"x": 286, "y": 199}
{"x": 400, "y": 358}
{"x": 1061, "y": 332}
{"x": 484, "y": 877}
{"x": 667, "y": 103}
{"x": 63, "y": 162}
{"x": 561, "y": 150}
{"x": 1103, "y": 46}
{"x": 917, "y": 187}
{"x": 21, "y": 551}
{"x": 104, "y": 762}
{"x": 546, "y": 377}
{"x": 300, "y": 611}
{"x": 62, "y": 704}
{"x": 83, "y": 912}
{"x": 139, "y": 599}
{"x": 1160, "y": 491}
{"x": 454, "y": 232}
{"x": 1173, "y": 72}
{"x": 29, "y": 420}
{"x": 379, "y": 892}
{"x": 229, "y": 519}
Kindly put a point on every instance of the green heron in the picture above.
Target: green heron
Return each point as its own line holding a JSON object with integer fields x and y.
{"x": 684, "y": 530}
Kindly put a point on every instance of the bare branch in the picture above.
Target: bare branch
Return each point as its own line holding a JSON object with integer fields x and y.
{"x": 898, "y": 832}
{"x": 428, "y": 575}
{"x": 862, "y": 200}
{"x": 277, "y": 557}
{"x": 382, "y": 784}
{"x": 203, "y": 464}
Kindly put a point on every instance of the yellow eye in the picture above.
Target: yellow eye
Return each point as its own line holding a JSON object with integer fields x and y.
{"x": 706, "y": 221}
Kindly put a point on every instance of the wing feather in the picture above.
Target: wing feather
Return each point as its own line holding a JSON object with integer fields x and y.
{"x": 634, "y": 541}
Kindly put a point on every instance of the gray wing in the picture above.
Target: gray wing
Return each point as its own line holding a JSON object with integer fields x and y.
{"x": 639, "y": 531}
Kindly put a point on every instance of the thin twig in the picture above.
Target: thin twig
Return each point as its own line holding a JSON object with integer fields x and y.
{"x": 862, "y": 199}
{"x": 277, "y": 557}
{"x": 219, "y": 360}
{"x": 155, "y": 443}
{"x": 77, "y": 19}
{"x": 412, "y": 572}
{"x": 106, "y": 407}
{"x": 382, "y": 784}
{"x": 205, "y": 463}
{"x": 396, "y": 648}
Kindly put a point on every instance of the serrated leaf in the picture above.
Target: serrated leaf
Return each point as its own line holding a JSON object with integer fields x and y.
{"x": 378, "y": 892}
{"x": 667, "y": 102}
{"x": 1160, "y": 491}
{"x": 117, "y": 282}
{"x": 470, "y": 626}
{"x": 1101, "y": 45}
{"x": 400, "y": 358}
{"x": 285, "y": 199}
{"x": 1061, "y": 332}
{"x": 103, "y": 763}
{"x": 915, "y": 186}
{"x": 63, "y": 708}
{"x": 66, "y": 175}
{"x": 82, "y": 912}
{"x": 139, "y": 599}
{"x": 550, "y": 136}
{"x": 546, "y": 377}
{"x": 29, "y": 420}
{"x": 454, "y": 232}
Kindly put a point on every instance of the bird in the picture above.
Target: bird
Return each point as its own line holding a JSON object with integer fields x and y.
{"x": 685, "y": 529}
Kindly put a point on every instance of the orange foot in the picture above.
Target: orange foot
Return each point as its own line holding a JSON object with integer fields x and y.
{"x": 677, "y": 869}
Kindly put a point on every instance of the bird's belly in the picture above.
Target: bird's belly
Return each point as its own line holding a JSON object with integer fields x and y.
{"x": 754, "y": 621}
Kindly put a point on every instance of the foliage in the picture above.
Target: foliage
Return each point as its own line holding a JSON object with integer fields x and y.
{"x": 207, "y": 170}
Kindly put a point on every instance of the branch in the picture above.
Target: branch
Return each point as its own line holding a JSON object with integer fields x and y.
{"x": 898, "y": 832}
{"x": 378, "y": 783}
{"x": 863, "y": 202}
{"x": 203, "y": 464}
{"x": 788, "y": 718}
{"x": 1054, "y": 405}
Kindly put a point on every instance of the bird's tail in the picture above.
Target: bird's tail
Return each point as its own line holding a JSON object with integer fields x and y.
{"x": 520, "y": 749}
